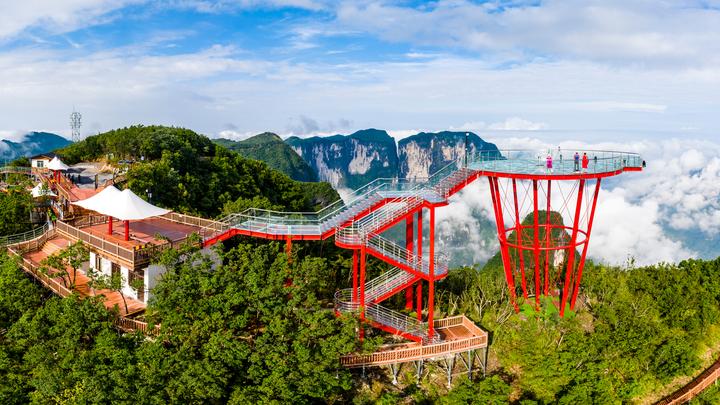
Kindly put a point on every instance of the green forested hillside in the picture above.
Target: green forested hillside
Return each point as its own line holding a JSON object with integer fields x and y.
{"x": 634, "y": 332}
{"x": 271, "y": 149}
{"x": 237, "y": 333}
{"x": 241, "y": 334}
{"x": 187, "y": 172}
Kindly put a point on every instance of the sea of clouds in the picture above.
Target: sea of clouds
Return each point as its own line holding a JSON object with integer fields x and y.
{"x": 667, "y": 213}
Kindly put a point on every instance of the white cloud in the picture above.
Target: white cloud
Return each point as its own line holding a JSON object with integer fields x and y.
{"x": 56, "y": 16}
{"x": 509, "y": 124}
{"x": 679, "y": 190}
{"x": 610, "y": 106}
{"x": 235, "y": 135}
{"x": 517, "y": 124}
{"x": 649, "y": 33}
{"x": 625, "y": 229}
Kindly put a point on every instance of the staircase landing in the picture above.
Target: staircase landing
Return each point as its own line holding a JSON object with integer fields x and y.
{"x": 82, "y": 281}
{"x": 459, "y": 335}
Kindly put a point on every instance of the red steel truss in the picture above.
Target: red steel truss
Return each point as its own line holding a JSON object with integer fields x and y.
{"x": 544, "y": 220}
{"x": 542, "y": 256}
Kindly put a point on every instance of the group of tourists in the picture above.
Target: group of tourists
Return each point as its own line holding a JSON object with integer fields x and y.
{"x": 576, "y": 159}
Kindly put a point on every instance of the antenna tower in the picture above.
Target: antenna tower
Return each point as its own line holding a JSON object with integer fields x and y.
{"x": 75, "y": 122}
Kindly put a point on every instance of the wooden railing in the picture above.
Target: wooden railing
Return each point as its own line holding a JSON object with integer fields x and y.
{"x": 22, "y": 237}
{"x": 17, "y": 250}
{"x": 205, "y": 224}
{"x": 133, "y": 325}
{"x": 394, "y": 354}
{"x": 695, "y": 387}
{"x": 108, "y": 247}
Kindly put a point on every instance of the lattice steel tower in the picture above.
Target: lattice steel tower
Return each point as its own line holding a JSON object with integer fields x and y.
{"x": 75, "y": 122}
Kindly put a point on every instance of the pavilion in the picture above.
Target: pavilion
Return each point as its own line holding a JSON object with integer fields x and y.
{"x": 57, "y": 166}
{"x": 123, "y": 205}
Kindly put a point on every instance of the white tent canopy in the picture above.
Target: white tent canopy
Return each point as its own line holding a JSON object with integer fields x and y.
{"x": 39, "y": 191}
{"x": 57, "y": 164}
{"x": 123, "y": 205}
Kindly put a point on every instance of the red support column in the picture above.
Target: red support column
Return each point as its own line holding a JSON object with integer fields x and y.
{"x": 110, "y": 221}
{"x": 585, "y": 248}
{"x": 548, "y": 233}
{"x": 127, "y": 230}
{"x": 571, "y": 254}
{"x": 431, "y": 283}
{"x": 504, "y": 253}
{"x": 409, "y": 246}
{"x": 362, "y": 289}
{"x": 518, "y": 237}
{"x": 418, "y": 288}
{"x": 536, "y": 244}
{"x": 288, "y": 247}
{"x": 355, "y": 277}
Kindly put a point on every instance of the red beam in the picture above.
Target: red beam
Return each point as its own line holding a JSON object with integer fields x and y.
{"x": 585, "y": 247}
{"x": 504, "y": 253}
{"x": 536, "y": 244}
{"x": 392, "y": 292}
{"x": 518, "y": 237}
{"x": 431, "y": 282}
{"x": 362, "y": 289}
{"x": 571, "y": 254}
{"x": 418, "y": 288}
{"x": 548, "y": 232}
{"x": 355, "y": 276}
{"x": 409, "y": 246}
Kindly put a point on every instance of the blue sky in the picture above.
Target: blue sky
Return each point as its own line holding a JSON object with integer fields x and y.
{"x": 639, "y": 75}
{"x": 237, "y": 67}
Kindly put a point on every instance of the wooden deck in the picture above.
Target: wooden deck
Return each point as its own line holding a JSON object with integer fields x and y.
{"x": 459, "y": 335}
{"x": 142, "y": 232}
{"x": 112, "y": 298}
{"x": 144, "y": 242}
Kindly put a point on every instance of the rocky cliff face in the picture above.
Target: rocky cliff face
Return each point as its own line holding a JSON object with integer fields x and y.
{"x": 427, "y": 152}
{"x": 349, "y": 161}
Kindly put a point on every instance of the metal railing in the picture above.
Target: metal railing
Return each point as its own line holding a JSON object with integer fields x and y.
{"x": 392, "y": 354}
{"x": 384, "y": 316}
{"x": 25, "y": 236}
{"x": 535, "y": 162}
{"x": 15, "y": 169}
{"x": 384, "y": 284}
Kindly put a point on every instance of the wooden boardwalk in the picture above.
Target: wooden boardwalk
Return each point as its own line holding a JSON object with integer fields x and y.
{"x": 459, "y": 335}
{"x": 30, "y": 253}
{"x": 695, "y": 387}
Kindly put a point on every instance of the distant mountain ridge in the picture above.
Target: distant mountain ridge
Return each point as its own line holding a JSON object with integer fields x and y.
{"x": 32, "y": 144}
{"x": 351, "y": 161}
{"x": 271, "y": 149}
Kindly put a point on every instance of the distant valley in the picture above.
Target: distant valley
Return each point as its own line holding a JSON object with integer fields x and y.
{"x": 32, "y": 143}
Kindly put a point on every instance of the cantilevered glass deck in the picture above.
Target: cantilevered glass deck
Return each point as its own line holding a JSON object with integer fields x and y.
{"x": 433, "y": 190}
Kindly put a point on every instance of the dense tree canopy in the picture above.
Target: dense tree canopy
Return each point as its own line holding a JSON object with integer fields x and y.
{"x": 15, "y": 207}
{"x": 236, "y": 332}
{"x": 187, "y": 172}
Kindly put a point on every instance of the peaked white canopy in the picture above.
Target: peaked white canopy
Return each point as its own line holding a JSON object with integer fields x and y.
{"x": 123, "y": 205}
{"x": 39, "y": 191}
{"x": 57, "y": 164}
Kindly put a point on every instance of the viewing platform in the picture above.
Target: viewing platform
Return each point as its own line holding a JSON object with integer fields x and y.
{"x": 147, "y": 237}
{"x": 528, "y": 164}
{"x": 458, "y": 334}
